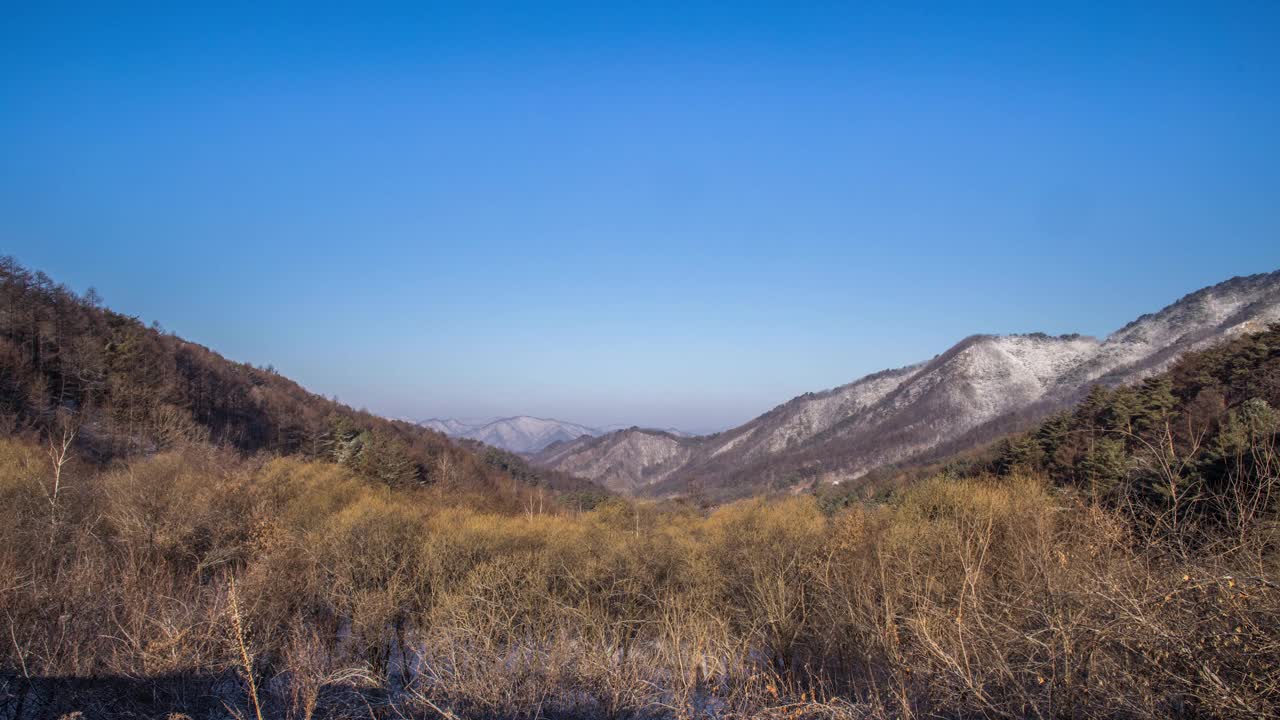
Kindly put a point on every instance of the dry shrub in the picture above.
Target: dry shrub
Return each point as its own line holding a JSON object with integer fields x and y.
{"x": 984, "y": 597}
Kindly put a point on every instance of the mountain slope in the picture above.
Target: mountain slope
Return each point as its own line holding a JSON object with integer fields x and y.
{"x": 982, "y": 385}
{"x": 624, "y": 461}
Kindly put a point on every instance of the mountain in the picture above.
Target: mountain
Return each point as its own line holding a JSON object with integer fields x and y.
{"x": 525, "y": 434}
{"x": 625, "y": 461}
{"x": 983, "y": 386}
{"x": 520, "y": 434}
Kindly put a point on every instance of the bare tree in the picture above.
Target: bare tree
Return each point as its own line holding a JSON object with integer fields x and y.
{"x": 59, "y": 438}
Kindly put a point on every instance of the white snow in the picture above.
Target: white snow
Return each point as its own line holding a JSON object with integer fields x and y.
{"x": 826, "y": 409}
{"x": 521, "y": 433}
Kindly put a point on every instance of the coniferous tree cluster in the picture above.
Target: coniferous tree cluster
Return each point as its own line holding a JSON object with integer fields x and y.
{"x": 1179, "y": 447}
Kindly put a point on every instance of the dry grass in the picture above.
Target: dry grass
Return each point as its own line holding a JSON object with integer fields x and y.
{"x": 978, "y": 598}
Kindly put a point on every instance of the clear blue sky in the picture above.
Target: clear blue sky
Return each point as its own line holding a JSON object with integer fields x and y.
{"x": 671, "y": 214}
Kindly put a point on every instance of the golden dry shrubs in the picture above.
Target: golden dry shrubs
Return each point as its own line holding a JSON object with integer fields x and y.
{"x": 981, "y": 597}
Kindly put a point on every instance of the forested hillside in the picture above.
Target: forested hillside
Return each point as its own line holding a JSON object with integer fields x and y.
{"x": 1185, "y": 447}
{"x": 1170, "y": 447}
{"x": 72, "y": 369}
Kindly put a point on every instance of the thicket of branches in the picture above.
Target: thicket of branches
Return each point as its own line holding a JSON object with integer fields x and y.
{"x": 178, "y": 577}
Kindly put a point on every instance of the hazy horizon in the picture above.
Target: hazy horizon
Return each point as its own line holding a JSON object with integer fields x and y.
{"x": 663, "y": 216}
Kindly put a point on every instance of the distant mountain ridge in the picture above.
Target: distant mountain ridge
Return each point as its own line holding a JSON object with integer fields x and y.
{"x": 983, "y": 385}
{"x": 525, "y": 433}
{"x": 520, "y": 433}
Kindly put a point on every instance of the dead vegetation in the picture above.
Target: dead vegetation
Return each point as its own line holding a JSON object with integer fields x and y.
{"x": 989, "y": 597}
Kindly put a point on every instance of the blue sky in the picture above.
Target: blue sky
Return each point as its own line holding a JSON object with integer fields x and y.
{"x": 670, "y": 214}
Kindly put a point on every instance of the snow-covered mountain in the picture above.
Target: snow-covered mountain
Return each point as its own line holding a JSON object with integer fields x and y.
{"x": 625, "y": 460}
{"x": 522, "y": 434}
{"x": 451, "y": 426}
{"x": 984, "y": 385}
